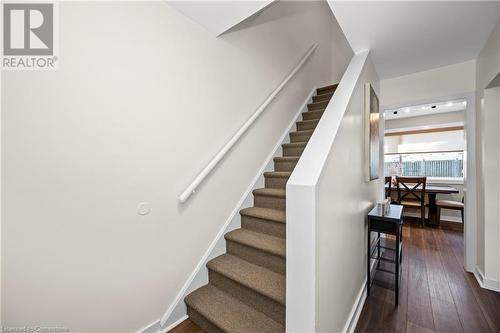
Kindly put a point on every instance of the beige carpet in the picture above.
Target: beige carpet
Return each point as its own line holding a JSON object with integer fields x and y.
{"x": 246, "y": 289}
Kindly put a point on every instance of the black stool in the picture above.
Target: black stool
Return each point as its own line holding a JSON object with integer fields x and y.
{"x": 390, "y": 223}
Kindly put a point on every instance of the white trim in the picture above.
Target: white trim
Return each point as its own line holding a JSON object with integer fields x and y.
{"x": 155, "y": 326}
{"x": 301, "y": 209}
{"x": 353, "y": 318}
{"x": 486, "y": 283}
{"x": 199, "y": 275}
{"x": 174, "y": 324}
{"x": 227, "y": 147}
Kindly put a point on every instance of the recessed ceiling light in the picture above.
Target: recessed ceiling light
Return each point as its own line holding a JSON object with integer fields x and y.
{"x": 464, "y": 103}
{"x": 407, "y": 110}
{"x": 449, "y": 104}
{"x": 423, "y": 107}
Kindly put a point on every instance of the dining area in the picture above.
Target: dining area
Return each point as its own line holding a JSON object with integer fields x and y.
{"x": 417, "y": 195}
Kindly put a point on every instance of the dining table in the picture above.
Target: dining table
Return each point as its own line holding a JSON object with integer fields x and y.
{"x": 432, "y": 191}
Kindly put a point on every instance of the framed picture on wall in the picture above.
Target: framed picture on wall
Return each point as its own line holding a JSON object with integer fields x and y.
{"x": 372, "y": 133}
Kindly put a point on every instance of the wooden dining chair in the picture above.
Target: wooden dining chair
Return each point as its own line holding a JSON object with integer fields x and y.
{"x": 388, "y": 184}
{"x": 411, "y": 193}
{"x": 450, "y": 204}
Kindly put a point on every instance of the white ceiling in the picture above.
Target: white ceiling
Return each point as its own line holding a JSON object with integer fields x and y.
{"x": 219, "y": 16}
{"x": 410, "y": 36}
{"x": 425, "y": 109}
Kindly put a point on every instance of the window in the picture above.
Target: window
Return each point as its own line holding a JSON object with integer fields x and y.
{"x": 444, "y": 165}
{"x": 437, "y": 155}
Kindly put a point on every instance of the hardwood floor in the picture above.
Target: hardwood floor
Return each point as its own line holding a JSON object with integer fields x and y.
{"x": 187, "y": 326}
{"x": 436, "y": 295}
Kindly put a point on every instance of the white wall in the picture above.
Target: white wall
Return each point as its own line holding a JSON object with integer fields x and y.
{"x": 488, "y": 147}
{"x": 219, "y": 16}
{"x": 344, "y": 199}
{"x": 142, "y": 100}
{"x": 428, "y": 85}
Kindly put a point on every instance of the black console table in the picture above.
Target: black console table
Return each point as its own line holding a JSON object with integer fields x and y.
{"x": 390, "y": 223}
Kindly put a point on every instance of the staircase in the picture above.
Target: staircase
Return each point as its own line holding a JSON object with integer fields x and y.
{"x": 246, "y": 289}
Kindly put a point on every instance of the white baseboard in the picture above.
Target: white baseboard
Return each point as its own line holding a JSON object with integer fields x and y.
{"x": 155, "y": 327}
{"x": 353, "y": 318}
{"x": 486, "y": 283}
{"x": 199, "y": 276}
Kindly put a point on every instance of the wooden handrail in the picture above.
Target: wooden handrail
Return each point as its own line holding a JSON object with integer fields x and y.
{"x": 220, "y": 155}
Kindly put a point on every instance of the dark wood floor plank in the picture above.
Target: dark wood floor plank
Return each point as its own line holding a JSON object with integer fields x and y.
{"x": 438, "y": 281}
{"x": 489, "y": 301}
{"x": 414, "y": 328}
{"x": 445, "y": 316}
{"x": 455, "y": 300}
{"x": 469, "y": 311}
{"x": 187, "y": 326}
{"x": 419, "y": 302}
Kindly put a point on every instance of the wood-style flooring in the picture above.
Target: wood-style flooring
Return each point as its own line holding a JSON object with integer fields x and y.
{"x": 437, "y": 294}
{"x": 187, "y": 326}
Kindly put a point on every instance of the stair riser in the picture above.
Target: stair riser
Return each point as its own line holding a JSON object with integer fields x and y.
{"x": 274, "y": 182}
{"x": 317, "y": 106}
{"x": 284, "y": 166}
{"x": 307, "y": 126}
{"x": 269, "y": 202}
{"x": 300, "y": 138}
{"x": 272, "y": 228}
{"x": 248, "y": 296}
{"x": 258, "y": 257}
{"x": 202, "y": 322}
{"x": 314, "y": 115}
{"x": 320, "y": 98}
{"x": 293, "y": 151}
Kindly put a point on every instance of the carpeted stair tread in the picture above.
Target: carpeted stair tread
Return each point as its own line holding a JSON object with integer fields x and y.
{"x": 228, "y": 313}
{"x": 294, "y": 145}
{"x": 311, "y": 121}
{"x": 305, "y": 132}
{"x": 279, "y": 174}
{"x": 259, "y": 241}
{"x": 325, "y": 89}
{"x": 275, "y": 215}
{"x": 286, "y": 159}
{"x": 257, "y": 278}
{"x": 317, "y": 105}
{"x": 323, "y": 97}
{"x": 277, "y": 179}
{"x": 312, "y": 115}
{"x": 307, "y": 124}
{"x": 270, "y": 192}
